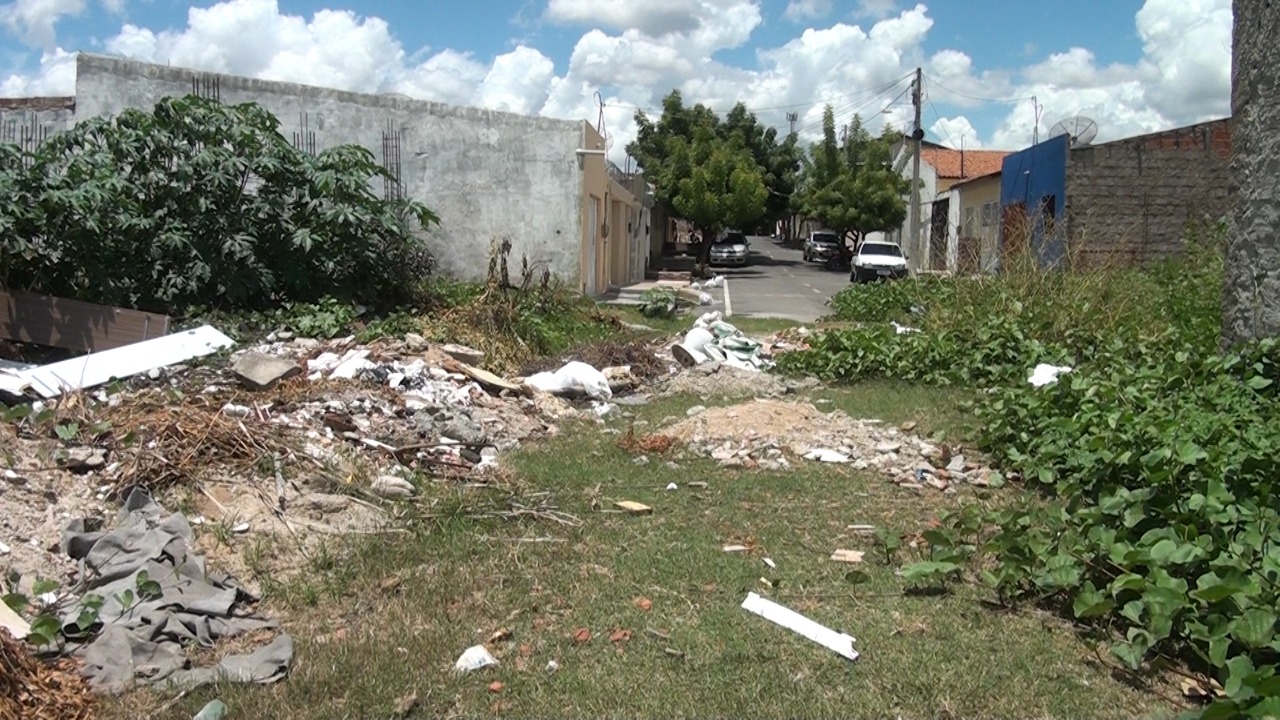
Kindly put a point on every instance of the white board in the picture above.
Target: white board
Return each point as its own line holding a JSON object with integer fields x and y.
{"x": 52, "y": 380}
{"x": 837, "y": 642}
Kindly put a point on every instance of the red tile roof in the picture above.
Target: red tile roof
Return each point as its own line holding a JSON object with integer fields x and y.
{"x": 949, "y": 162}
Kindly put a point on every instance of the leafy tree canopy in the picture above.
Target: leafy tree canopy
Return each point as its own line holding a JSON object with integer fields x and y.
{"x": 850, "y": 184}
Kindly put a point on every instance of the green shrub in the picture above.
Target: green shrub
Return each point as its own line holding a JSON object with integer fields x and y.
{"x": 1164, "y": 527}
{"x": 1158, "y": 455}
{"x": 201, "y": 204}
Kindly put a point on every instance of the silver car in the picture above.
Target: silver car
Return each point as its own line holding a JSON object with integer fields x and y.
{"x": 730, "y": 248}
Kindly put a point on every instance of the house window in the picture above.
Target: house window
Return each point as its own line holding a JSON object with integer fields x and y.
{"x": 990, "y": 213}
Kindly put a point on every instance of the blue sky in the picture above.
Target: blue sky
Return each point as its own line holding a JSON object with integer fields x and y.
{"x": 1125, "y": 62}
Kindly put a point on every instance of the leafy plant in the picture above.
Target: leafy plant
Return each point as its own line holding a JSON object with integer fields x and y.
{"x": 659, "y": 302}
{"x": 199, "y": 203}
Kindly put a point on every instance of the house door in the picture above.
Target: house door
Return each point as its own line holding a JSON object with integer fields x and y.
{"x": 593, "y": 236}
{"x": 938, "y": 234}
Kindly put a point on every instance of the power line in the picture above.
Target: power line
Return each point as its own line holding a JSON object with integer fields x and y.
{"x": 851, "y": 108}
{"x": 859, "y": 93}
{"x": 1006, "y": 100}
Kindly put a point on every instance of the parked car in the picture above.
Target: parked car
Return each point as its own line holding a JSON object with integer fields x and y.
{"x": 730, "y": 248}
{"x": 821, "y": 245}
{"x": 878, "y": 261}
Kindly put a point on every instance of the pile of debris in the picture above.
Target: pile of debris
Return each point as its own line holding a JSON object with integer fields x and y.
{"x": 712, "y": 339}
{"x": 31, "y": 689}
{"x": 765, "y": 433}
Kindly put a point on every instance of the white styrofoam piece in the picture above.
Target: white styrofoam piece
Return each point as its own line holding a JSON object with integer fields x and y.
{"x": 839, "y": 643}
{"x": 122, "y": 362}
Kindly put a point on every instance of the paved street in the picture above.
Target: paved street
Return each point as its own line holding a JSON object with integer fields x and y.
{"x": 779, "y": 283}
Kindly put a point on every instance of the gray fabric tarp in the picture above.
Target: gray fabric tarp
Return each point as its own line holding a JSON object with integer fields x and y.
{"x": 141, "y": 637}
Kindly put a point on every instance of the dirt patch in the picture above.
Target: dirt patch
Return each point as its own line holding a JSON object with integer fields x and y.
{"x": 716, "y": 380}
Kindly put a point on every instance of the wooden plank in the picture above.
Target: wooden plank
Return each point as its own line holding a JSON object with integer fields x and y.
{"x": 74, "y": 325}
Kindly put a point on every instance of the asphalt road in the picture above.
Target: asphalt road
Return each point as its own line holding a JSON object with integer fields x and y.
{"x": 777, "y": 282}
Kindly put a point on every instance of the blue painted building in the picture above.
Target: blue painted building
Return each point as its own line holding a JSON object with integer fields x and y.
{"x": 1033, "y": 200}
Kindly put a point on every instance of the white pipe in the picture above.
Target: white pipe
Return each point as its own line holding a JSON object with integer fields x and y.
{"x": 584, "y": 151}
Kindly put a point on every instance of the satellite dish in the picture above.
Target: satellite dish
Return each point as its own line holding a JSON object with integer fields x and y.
{"x": 1082, "y": 130}
{"x": 608, "y": 142}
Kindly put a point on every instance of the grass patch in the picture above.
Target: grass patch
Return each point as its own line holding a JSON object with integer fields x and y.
{"x": 365, "y": 645}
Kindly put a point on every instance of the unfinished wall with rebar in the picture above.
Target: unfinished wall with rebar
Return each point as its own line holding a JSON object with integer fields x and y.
{"x": 26, "y": 122}
{"x": 488, "y": 175}
{"x": 1131, "y": 201}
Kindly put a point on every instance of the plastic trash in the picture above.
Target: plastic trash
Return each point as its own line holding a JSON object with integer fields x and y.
{"x": 577, "y": 376}
{"x": 474, "y": 658}
{"x": 1045, "y": 374}
{"x": 705, "y": 299}
{"x": 715, "y": 282}
{"x": 213, "y": 710}
{"x": 826, "y": 455}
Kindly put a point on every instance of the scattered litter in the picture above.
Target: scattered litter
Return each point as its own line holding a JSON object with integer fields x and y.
{"x": 736, "y": 548}
{"x": 772, "y": 565}
{"x": 474, "y": 658}
{"x": 839, "y": 643}
{"x": 213, "y": 710}
{"x": 713, "y": 340}
{"x": 826, "y": 455}
{"x": 496, "y": 687}
{"x": 574, "y": 378}
{"x": 672, "y": 486}
{"x": 1045, "y": 374}
{"x": 847, "y": 556}
{"x": 13, "y": 622}
{"x": 862, "y": 529}
{"x": 903, "y": 329}
{"x": 633, "y": 508}
{"x": 552, "y": 667}
{"x": 581, "y": 635}
{"x": 392, "y": 486}
{"x": 620, "y": 635}
{"x": 644, "y": 603}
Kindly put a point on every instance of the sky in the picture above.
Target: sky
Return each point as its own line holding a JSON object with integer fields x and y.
{"x": 996, "y": 72}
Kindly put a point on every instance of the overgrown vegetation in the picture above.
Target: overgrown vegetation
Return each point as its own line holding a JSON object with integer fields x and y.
{"x": 1158, "y": 454}
{"x": 202, "y": 204}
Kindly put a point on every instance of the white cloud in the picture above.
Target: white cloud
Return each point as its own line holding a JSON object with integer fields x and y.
{"x": 635, "y": 51}
{"x": 35, "y": 21}
{"x": 957, "y": 132}
{"x": 876, "y": 8}
{"x": 801, "y": 10}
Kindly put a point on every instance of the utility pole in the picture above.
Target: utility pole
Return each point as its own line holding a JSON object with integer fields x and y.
{"x": 917, "y": 134}
{"x": 792, "y": 117}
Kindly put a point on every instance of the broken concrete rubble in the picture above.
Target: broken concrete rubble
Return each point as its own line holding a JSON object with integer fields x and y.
{"x": 260, "y": 371}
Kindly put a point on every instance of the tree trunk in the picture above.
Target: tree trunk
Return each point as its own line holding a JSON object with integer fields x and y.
{"x": 1251, "y": 298}
{"x": 706, "y": 237}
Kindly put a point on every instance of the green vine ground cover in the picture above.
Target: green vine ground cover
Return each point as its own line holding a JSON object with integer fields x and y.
{"x": 1158, "y": 455}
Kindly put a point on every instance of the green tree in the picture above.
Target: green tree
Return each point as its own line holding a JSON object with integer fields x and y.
{"x": 718, "y": 185}
{"x": 715, "y": 174}
{"x": 850, "y": 185}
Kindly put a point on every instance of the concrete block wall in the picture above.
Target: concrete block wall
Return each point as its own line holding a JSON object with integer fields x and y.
{"x": 1131, "y": 201}
{"x": 488, "y": 175}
